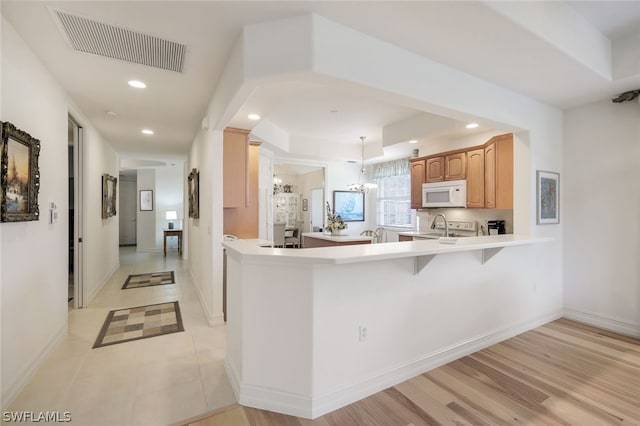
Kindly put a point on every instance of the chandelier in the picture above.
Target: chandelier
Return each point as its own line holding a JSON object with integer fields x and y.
{"x": 362, "y": 185}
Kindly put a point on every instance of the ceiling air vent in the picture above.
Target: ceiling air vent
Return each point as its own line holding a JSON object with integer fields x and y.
{"x": 87, "y": 35}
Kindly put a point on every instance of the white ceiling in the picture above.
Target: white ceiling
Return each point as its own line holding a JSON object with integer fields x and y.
{"x": 476, "y": 37}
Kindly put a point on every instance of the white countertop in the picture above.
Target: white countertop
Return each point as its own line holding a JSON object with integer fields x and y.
{"x": 336, "y": 238}
{"x": 255, "y": 250}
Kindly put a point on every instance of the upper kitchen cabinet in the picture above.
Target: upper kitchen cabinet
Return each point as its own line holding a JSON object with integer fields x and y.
{"x": 240, "y": 186}
{"x": 455, "y": 166}
{"x": 475, "y": 178}
{"x": 235, "y": 167}
{"x": 498, "y": 183}
{"x": 418, "y": 170}
{"x": 435, "y": 169}
{"x": 488, "y": 170}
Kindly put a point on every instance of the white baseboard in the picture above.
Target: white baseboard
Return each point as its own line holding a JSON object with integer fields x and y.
{"x": 590, "y": 318}
{"x": 89, "y": 298}
{"x": 212, "y": 320}
{"x": 272, "y": 400}
{"x": 32, "y": 367}
{"x": 313, "y": 407}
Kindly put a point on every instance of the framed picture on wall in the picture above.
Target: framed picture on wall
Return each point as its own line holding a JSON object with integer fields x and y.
{"x": 109, "y": 186}
{"x": 19, "y": 174}
{"x": 194, "y": 193}
{"x": 547, "y": 197}
{"x": 146, "y": 200}
{"x": 349, "y": 205}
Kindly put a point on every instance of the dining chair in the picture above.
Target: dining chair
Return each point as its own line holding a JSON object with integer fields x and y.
{"x": 292, "y": 238}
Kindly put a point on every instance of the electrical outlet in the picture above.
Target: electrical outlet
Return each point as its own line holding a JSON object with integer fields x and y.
{"x": 363, "y": 333}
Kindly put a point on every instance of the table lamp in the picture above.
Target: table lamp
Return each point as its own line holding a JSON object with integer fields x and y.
{"x": 171, "y": 215}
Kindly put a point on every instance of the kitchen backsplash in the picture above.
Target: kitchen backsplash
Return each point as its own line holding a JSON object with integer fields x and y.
{"x": 425, "y": 217}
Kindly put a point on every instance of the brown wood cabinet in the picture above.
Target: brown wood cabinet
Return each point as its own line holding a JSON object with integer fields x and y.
{"x": 475, "y": 178}
{"x": 455, "y": 166}
{"x": 417, "y": 179}
{"x": 490, "y": 176}
{"x": 435, "y": 169}
{"x": 498, "y": 185}
{"x": 240, "y": 186}
{"x": 235, "y": 157}
{"x": 488, "y": 170}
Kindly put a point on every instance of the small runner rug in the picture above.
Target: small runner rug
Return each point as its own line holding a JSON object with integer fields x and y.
{"x": 150, "y": 279}
{"x": 141, "y": 322}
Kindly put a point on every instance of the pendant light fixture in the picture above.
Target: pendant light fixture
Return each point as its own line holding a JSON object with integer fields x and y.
{"x": 362, "y": 185}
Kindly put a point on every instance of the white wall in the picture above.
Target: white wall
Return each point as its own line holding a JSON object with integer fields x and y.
{"x": 169, "y": 193}
{"x": 101, "y": 255}
{"x": 309, "y": 181}
{"x": 339, "y": 176}
{"x": 167, "y": 184}
{"x": 34, "y": 254}
{"x": 146, "y": 223}
{"x": 601, "y": 215}
{"x": 205, "y": 232}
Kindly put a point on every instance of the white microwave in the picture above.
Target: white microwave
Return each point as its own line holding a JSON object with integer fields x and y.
{"x": 452, "y": 193}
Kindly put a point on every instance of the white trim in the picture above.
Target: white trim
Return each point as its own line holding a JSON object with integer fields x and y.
{"x": 211, "y": 319}
{"x": 89, "y": 298}
{"x": 233, "y": 376}
{"x": 32, "y": 367}
{"x": 302, "y": 406}
{"x": 613, "y": 324}
{"x": 268, "y": 399}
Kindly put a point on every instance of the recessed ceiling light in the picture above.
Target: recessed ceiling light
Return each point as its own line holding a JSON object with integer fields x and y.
{"x": 471, "y": 125}
{"x": 137, "y": 84}
{"x": 254, "y": 117}
{"x": 147, "y": 131}
{"x": 413, "y": 141}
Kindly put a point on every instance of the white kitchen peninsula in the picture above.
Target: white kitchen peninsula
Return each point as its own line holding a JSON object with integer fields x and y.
{"x": 312, "y": 330}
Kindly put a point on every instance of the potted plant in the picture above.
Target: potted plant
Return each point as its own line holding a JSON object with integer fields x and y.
{"x": 335, "y": 224}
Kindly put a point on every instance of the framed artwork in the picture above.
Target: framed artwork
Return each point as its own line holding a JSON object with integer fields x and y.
{"x": 305, "y": 204}
{"x": 20, "y": 175}
{"x": 146, "y": 200}
{"x": 349, "y": 205}
{"x": 547, "y": 197}
{"x": 194, "y": 193}
{"x": 109, "y": 186}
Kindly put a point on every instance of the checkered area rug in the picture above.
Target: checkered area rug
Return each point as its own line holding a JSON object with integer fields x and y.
{"x": 150, "y": 279}
{"x": 125, "y": 325}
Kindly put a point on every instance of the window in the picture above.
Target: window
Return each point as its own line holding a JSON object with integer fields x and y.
{"x": 394, "y": 194}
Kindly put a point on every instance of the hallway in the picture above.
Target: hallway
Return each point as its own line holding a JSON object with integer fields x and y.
{"x": 154, "y": 381}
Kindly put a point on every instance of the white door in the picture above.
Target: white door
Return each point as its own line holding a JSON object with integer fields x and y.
{"x": 317, "y": 209}
{"x": 127, "y": 212}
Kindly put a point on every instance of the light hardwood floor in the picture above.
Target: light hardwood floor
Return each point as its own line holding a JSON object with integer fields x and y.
{"x": 562, "y": 373}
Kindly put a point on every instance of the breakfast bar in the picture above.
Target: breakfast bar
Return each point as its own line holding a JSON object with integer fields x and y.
{"x": 312, "y": 330}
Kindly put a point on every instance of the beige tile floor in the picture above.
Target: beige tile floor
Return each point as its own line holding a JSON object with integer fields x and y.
{"x": 155, "y": 381}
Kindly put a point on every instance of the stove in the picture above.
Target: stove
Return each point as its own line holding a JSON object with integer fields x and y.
{"x": 459, "y": 228}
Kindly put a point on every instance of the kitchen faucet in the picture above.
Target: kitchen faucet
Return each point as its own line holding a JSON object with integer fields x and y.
{"x": 446, "y": 224}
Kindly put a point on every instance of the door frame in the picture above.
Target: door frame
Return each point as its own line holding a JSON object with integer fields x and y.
{"x": 78, "y": 220}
